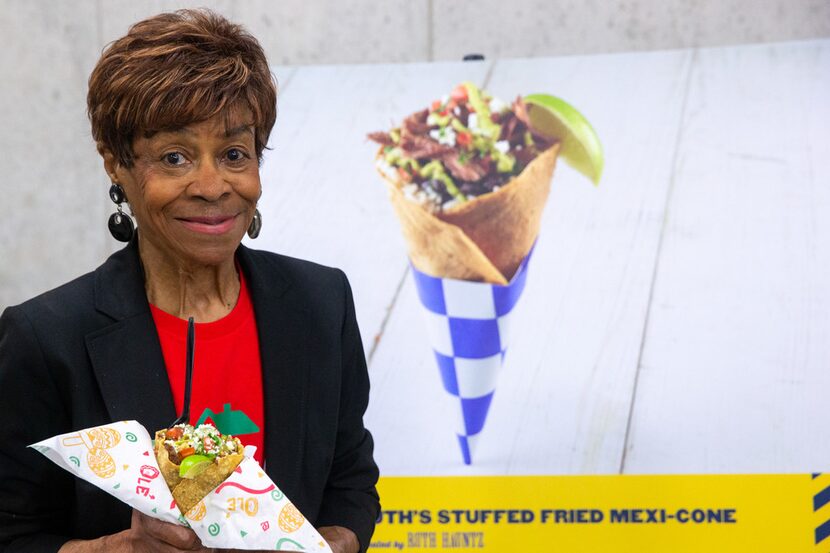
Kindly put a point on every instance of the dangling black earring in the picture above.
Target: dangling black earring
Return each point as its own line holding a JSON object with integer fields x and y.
{"x": 256, "y": 225}
{"x": 120, "y": 225}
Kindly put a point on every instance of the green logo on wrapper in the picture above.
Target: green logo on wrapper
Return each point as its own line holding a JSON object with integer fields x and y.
{"x": 130, "y": 437}
{"x": 277, "y": 495}
{"x": 213, "y": 529}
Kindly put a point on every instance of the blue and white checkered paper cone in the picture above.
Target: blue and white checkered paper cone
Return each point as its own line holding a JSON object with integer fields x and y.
{"x": 468, "y": 325}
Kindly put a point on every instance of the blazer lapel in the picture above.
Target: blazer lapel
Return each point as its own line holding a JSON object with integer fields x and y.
{"x": 126, "y": 355}
{"x": 282, "y": 324}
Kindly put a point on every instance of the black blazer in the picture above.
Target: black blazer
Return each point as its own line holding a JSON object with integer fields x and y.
{"x": 88, "y": 354}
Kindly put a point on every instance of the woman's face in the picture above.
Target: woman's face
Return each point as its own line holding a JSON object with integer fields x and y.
{"x": 193, "y": 190}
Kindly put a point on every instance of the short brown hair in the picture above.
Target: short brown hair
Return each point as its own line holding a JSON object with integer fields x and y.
{"x": 175, "y": 69}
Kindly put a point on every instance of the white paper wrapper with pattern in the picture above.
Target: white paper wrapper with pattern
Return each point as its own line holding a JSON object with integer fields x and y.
{"x": 246, "y": 511}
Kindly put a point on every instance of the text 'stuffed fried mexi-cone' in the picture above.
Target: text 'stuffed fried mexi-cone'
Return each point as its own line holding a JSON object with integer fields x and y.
{"x": 468, "y": 179}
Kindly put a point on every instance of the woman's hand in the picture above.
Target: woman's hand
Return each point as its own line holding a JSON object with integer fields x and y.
{"x": 340, "y": 539}
{"x": 145, "y": 535}
{"x": 156, "y": 535}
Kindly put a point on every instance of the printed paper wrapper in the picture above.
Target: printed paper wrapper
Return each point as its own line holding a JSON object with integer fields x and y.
{"x": 246, "y": 511}
{"x": 468, "y": 325}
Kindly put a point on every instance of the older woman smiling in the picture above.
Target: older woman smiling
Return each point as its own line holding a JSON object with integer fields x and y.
{"x": 181, "y": 110}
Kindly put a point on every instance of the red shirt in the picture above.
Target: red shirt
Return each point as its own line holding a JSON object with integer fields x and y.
{"x": 227, "y": 372}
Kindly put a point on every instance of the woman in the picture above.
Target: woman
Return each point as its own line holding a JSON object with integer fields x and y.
{"x": 181, "y": 109}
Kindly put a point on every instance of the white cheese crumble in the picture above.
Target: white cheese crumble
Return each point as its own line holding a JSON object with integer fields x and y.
{"x": 443, "y": 136}
{"x": 387, "y": 169}
{"x": 497, "y": 106}
{"x": 428, "y": 198}
{"x": 472, "y": 122}
{"x": 503, "y": 146}
{"x": 412, "y": 192}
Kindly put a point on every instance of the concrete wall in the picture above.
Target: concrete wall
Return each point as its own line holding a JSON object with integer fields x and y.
{"x": 54, "y": 205}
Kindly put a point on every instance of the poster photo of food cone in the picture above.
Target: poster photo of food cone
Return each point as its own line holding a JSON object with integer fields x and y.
{"x": 468, "y": 179}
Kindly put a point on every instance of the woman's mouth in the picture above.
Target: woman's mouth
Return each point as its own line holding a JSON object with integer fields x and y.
{"x": 219, "y": 224}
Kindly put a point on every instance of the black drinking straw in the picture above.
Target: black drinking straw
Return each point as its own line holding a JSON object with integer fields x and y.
{"x": 188, "y": 375}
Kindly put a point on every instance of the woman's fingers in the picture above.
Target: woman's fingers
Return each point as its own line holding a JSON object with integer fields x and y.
{"x": 178, "y": 537}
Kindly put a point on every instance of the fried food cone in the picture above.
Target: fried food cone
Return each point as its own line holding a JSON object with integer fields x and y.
{"x": 438, "y": 248}
{"x": 189, "y": 491}
{"x": 169, "y": 469}
{"x": 484, "y": 239}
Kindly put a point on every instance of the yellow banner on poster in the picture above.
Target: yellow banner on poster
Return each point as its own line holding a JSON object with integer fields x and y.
{"x": 654, "y": 513}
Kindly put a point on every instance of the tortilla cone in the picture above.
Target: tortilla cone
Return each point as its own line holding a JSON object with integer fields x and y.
{"x": 188, "y": 492}
{"x": 484, "y": 239}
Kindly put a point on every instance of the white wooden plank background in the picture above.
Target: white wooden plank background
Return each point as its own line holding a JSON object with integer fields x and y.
{"x": 734, "y": 376}
{"x": 688, "y": 287}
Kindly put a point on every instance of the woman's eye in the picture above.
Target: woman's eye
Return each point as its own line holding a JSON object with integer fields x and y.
{"x": 235, "y": 154}
{"x": 174, "y": 158}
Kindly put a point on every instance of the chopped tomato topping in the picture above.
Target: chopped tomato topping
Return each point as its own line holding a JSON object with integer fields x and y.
{"x": 405, "y": 175}
{"x": 464, "y": 138}
{"x": 436, "y": 105}
{"x": 186, "y": 452}
{"x": 459, "y": 93}
{"x": 174, "y": 433}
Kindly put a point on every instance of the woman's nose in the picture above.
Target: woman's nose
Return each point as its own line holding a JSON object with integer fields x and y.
{"x": 209, "y": 183}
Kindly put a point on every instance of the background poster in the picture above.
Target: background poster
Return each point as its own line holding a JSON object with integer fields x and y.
{"x": 674, "y": 317}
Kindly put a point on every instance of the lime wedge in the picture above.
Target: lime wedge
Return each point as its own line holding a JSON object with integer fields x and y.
{"x": 580, "y": 146}
{"x": 194, "y": 465}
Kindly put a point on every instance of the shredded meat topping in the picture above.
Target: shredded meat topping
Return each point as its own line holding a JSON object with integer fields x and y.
{"x": 382, "y": 138}
{"x": 470, "y": 170}
{"x": 422, "y": 147}
{"x": 173, "y": 454}
{"x": 416, "y": 124}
